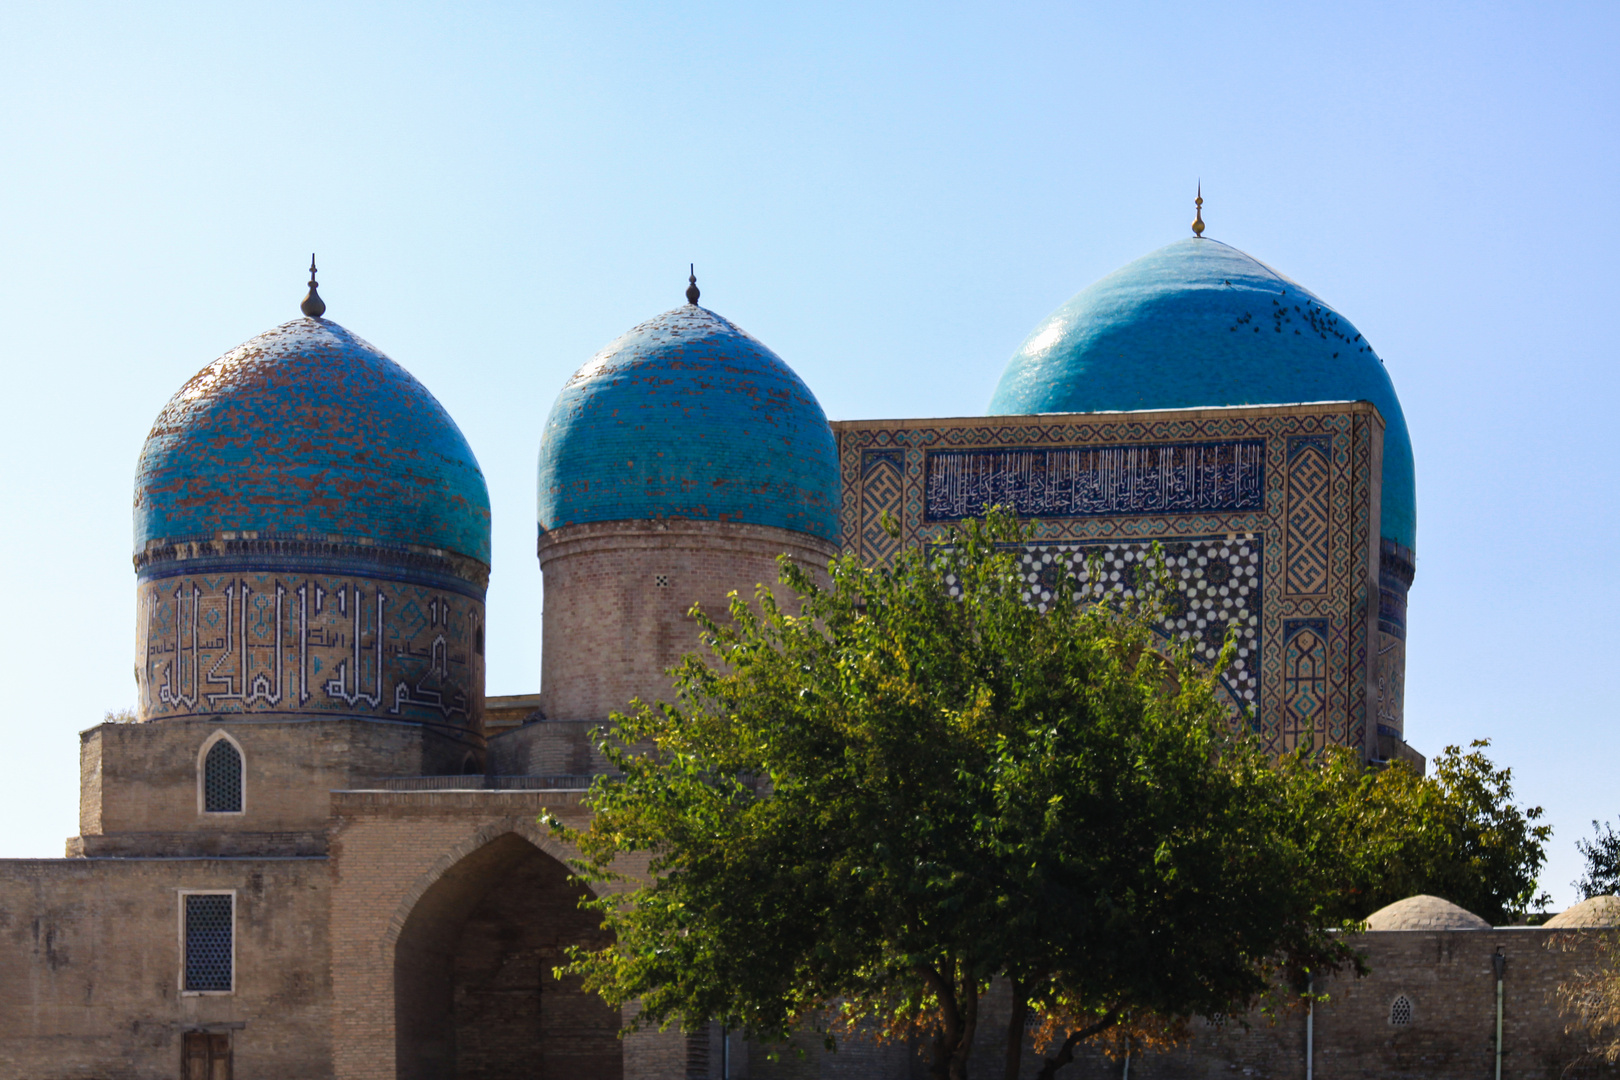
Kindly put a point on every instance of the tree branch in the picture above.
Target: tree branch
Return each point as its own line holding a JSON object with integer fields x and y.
{"x": 1065, "y": 1052}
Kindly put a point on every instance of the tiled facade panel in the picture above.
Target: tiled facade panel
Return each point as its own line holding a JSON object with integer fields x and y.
{"x": 618, "y": 596}
{"x": 296, "y": 640}
{"x": 1299, "y": 484}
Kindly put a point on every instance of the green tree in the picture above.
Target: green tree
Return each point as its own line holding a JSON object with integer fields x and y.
{"x": 1390, "y": 833}
{"x": 855, "y": 816}
{"x": 1602, "y": 855}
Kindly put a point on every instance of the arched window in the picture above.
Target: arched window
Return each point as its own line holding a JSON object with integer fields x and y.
{"x": 222, "y": 777}
{"x": 1400, "y": 1011}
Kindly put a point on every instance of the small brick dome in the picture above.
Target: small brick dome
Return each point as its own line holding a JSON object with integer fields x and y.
{"x": 309, "y": 431}
{"x": 1592, "y": 913}
{"x": 1425, "y": 913}
{"x": 687, "y": 416}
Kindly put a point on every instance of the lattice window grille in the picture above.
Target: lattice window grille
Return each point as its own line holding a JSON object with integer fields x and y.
{"x": 208, "y": 941}
{"x": 222, "y": 779}
{"x": 1400, "y": 1012}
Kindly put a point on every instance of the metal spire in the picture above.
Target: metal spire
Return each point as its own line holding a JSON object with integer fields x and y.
{"x": 692, "y": 293}
{"x": 1198, "y": 214}
{"x": 313, "y": 305}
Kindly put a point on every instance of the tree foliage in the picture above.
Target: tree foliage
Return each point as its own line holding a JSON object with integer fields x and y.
{"x": 856, "y": 814}
{"x": 1602, "y": 855}
{"x": 1591, "y": 999}
{"x": 1390, "y": 833}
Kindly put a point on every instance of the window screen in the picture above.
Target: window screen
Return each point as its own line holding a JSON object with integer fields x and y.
{"x": 1400, "y": 1012}
{"x": 208, "y": 941}
{"x": 222, "y": 779}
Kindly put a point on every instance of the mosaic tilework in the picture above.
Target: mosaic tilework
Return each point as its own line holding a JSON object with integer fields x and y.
{"x": 1217, "y": 584}
{"x": 309, "y": 430}
{"x": 688, "y": 416}
{"x": 1395, "y": 573}
{"x": 280, "y": 641}
{"x": 1173, "y": 478}
{"x": 1198, "y": 324}
{"x": 1340, "y": 440}
{"x": 1310, "y": 494}
{"x": 1305, "y": 679}
{"x": 882, "y": 491}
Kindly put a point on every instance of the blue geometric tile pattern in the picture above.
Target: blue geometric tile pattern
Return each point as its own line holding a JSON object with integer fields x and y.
{"x": 307, "y": 430}
{"x": 687, "y": 416}
{"x": 1199, "y": 323}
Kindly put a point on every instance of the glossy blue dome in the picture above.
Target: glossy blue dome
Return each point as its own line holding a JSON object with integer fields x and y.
{"x": 309, "y": 431}
{"x": 687, "y": 416}
{"x": 1199, "y": 323}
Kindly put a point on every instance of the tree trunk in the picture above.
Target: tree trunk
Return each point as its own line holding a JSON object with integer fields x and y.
{"x": 1015, "y": 1031}
{"x": 970, "y": 1023}
{"x": 959, "y": 1016}
{"x": 950, "y": 1028}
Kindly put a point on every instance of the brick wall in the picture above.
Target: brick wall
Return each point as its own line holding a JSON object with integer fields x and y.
{"x": 90, "y": 968}
{"x": 617, "y": 596}
{"x": 548, "y": 748}
{"x": 140, "y": 795}
{"x": 411, "y": 865}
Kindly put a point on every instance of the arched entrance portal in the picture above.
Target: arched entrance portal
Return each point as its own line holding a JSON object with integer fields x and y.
{"x": 474, "y": 994}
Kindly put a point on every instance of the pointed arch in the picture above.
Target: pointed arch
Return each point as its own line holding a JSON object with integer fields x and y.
{"x": 221, "y": 775}
{"x": 523, "y": 827}
{"x": 474, "y": 949}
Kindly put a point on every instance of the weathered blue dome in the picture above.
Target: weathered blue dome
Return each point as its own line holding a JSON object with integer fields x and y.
{"x": 687, "y": 416}
{"x": 307, "y": 430}
{"x": 1199, "y": 323}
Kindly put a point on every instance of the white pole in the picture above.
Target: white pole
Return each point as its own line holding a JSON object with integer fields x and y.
{"x": 1499, "y": 961}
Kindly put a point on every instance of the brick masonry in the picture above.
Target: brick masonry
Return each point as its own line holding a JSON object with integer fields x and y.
{"x": 617, "y": 596}
{"x": 90, "y": 967}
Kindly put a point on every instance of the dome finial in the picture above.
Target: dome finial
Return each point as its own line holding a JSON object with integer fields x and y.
{"x": 692, "y": 293}
{"x": 1198, "y": 213}
{"x": 313, "y": 305}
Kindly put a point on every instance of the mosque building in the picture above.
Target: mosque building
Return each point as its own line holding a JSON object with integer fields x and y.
{"x": 314, "y": 851}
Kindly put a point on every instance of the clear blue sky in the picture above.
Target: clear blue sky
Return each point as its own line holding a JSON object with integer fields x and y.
{"x": 891, "y": 197}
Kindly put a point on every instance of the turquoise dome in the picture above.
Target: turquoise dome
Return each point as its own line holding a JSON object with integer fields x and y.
{"x": 687, "y": 416}
{"x": 1199, "y": 323}
{"x": 309, "y": 431}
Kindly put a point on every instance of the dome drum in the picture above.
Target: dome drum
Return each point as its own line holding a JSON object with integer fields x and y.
{"x": 619, "y": 596}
